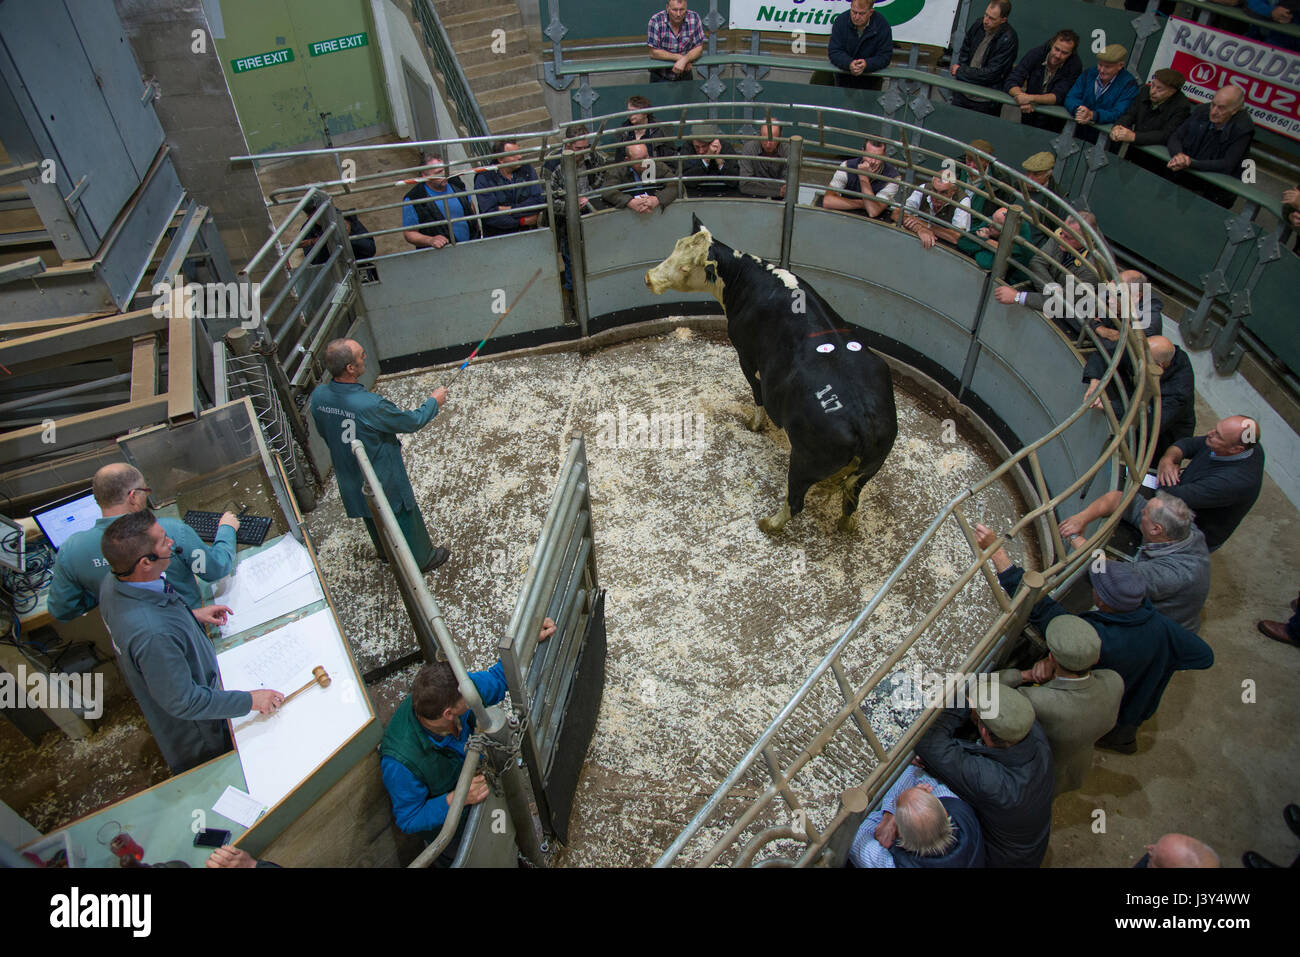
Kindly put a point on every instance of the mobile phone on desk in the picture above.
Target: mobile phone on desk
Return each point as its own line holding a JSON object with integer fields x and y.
{"x": 211, "y": 837}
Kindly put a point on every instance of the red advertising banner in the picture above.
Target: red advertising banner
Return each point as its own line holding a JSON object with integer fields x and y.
{"x": 1268, "y": 75}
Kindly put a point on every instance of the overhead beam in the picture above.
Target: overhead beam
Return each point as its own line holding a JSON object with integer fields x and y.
{"x": 75, "y": 430}
{"x": 18, "y": 354}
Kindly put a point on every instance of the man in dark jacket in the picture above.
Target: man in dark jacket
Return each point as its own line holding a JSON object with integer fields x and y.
{"x": 1177, "y": 391}
{"x": 513, "y": 187}
{"x": 861, "y": 43}
{"x": 1215, "y": 138}
{"x": 1160, "y": 108}
{"x": 707, "y": 171}
{"x": 1044, "y": 76}
{"x": 1224, "y": 475}
{"x": 164, "y": 655}
{"x": 987, "y": 55}
{"x": 1006, "y": 775}
{"x": 1138, "y": 642}
{"x": 430, "y": 206}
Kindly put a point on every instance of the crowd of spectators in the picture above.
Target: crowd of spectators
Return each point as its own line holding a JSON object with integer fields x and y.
{"x": 986, "y": 776}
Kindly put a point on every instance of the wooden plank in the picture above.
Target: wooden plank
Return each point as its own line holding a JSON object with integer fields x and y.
{"x": 144, "y": 368}
{"x": 182, "y": 403}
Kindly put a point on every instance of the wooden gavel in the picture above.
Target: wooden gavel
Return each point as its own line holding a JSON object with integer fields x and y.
{"x": 319, "y": 676}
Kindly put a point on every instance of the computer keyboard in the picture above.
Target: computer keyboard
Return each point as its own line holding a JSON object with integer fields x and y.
{"x": 252, "y": 528}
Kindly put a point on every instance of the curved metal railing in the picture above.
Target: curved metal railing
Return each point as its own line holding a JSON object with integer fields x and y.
{"x": 825, "y": 720}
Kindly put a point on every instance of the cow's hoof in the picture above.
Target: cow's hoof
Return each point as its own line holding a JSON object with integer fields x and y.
{"x": 848, "y": 523}
{"x": 757, "y": 419}
{"x": 774, "y": 524}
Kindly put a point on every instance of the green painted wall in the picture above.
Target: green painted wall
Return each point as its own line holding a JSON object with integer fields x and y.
{"x": 279, "y": 106}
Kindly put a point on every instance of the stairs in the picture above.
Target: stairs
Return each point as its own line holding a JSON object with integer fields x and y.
{"x": 504, "y": 84}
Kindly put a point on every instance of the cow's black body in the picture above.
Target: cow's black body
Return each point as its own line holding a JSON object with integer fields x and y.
{"x": 837, "y": 407}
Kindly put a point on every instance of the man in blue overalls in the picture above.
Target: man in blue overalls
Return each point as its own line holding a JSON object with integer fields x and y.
{"x": 345, "y": 410}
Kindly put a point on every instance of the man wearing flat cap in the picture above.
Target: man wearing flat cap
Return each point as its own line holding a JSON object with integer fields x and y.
{"x": 1138, "y": 642}
{"x": 1075, "y": 703}
{"x": 1038, "y": 169}
{"x": 705, "y": 169}
{"x": 1159, "y": 108}
{"x": 1103, "y": 93}
{"x": 1005, "y": 775}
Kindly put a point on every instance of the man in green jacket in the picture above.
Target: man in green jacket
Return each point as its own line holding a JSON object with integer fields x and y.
{"x": 344, "y": 410}
{"x": 164, "y": 655}
{"x": 423, "y": 749}
{"x": 120, "y": 490}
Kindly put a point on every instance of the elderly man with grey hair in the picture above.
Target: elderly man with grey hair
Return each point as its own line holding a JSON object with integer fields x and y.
{"x": 1172, "y": 561}
{"x": 920, "y": 823}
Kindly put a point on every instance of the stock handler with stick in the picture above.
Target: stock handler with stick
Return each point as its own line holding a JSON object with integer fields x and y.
{"x": 345, "y": 410}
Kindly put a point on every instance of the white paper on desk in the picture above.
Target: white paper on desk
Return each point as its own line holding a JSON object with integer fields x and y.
{"x": 278, "y": 751}
{"x": 239, "y": 807}
{"x": 246, "y": 612}
{"x": 274, "y": 568}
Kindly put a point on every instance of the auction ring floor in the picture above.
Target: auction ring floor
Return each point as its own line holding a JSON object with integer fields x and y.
{"x": 712, "y": 625}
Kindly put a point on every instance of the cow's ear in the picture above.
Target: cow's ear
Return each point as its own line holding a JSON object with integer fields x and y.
{"x": 696, "y": 225}
{"x": 710, "y": 272}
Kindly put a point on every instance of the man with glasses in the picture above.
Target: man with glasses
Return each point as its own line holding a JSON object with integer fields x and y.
{"x": 120, "y": 490}
{"x": 162, "y": 651}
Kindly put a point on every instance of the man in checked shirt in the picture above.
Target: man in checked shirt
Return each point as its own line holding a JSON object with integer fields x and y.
{"x": 675, "y": 33}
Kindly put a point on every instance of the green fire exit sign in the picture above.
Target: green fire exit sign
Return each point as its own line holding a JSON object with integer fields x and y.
{"x": 322, "y": 47}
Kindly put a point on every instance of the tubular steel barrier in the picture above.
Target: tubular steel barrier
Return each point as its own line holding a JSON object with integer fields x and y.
{"x": 828, "y": 714}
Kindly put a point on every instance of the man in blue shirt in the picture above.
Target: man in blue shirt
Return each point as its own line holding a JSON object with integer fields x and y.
{"x": 423, "y": 749}
{"x": 431, "y": 205}
{"x": 344, "y": 410}
{"x": 120, "y": 490}
{"x": 1102, "y": 94}
{"x": 861, "y": 43}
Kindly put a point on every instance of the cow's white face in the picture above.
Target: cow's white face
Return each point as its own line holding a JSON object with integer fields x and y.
{"x": 688, "y": 269}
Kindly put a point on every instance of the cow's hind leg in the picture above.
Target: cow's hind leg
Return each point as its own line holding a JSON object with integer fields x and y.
{"x": 852, "y": 491}
{"x": 802, "y": 477}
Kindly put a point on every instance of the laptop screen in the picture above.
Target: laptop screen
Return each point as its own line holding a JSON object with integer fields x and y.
{"x": 59, "y": 520}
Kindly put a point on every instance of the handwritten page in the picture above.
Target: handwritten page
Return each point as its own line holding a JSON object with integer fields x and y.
{"x": 280, "y": 750}
{"x": 238, "y": 806}
{"x": 274, "y": 568}
{"x": 245, "y": 592}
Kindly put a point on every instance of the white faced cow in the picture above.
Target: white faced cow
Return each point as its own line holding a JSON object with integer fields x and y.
{"x": 807, "y": 370}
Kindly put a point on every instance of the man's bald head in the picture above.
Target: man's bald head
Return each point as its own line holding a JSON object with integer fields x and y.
{"x": 637, "y": 151}
{"x": 114, "y": 483}
{"x": 923, "y": 825}
{"x": 339, "y": 354}
{"x": 1234, "y": 434}
{"x": 1226, "y": 103}
{"x": 1179, "y": 850}
{"x": 1162, "y": 350}
{"x": 768, "y": 136}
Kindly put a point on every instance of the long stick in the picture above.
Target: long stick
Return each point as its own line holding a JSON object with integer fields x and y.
{"x": 466, "y": 363}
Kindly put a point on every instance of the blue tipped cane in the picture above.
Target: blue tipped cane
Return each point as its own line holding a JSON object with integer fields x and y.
{"x": 465, "y": 365}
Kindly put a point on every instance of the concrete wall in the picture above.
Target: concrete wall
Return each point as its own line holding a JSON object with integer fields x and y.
{"x": 397, "y": 42}
{"x": 198, "y": 117}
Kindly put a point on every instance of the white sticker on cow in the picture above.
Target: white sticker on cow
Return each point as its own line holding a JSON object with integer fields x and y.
{"x": 854, "y": 347}
{"x": 826, "y": 347}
